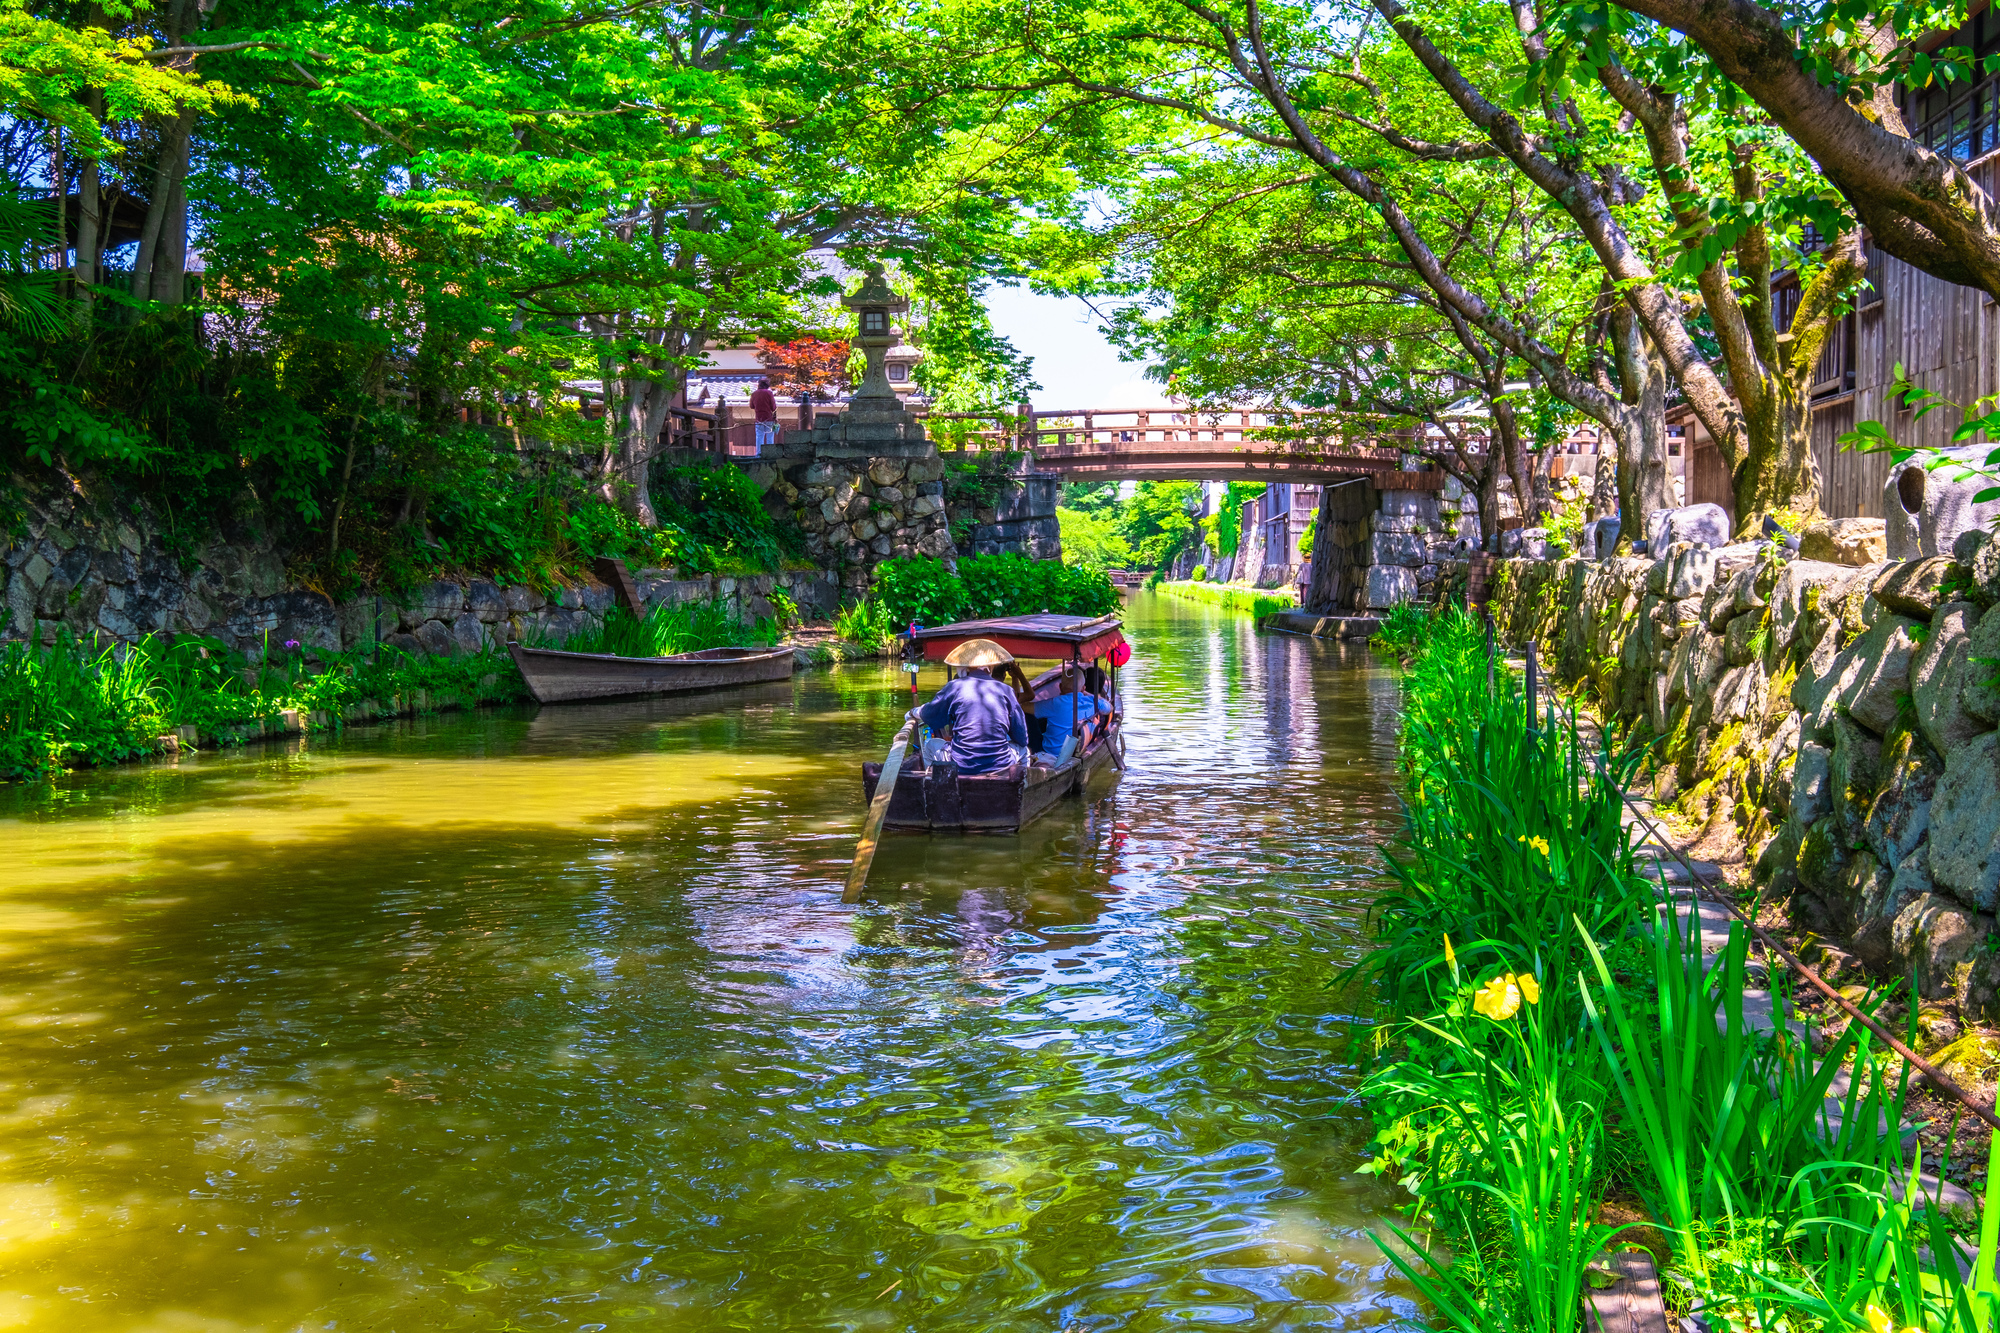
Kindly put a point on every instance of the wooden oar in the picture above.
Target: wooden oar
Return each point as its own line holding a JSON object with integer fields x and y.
{"x": 878, "y": 810}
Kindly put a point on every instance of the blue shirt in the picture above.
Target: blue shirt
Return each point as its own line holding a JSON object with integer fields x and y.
{"x": 1063, "y": 711}
{"x": 988, "y": 728}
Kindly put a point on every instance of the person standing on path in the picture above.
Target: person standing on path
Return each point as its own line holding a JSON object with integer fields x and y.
{"x": 764, "y": 407}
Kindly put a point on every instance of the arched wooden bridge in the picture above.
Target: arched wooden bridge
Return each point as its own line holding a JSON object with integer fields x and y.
{"x": 1167, "y": 444}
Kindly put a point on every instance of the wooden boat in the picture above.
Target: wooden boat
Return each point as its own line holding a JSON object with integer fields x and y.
{"x": 555, "y": 677}
{"x": 936, "y": 797}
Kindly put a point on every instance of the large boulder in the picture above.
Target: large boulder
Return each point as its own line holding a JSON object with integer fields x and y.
{"x": 1980, "y": 692}
{"x": 1911, "y": 588}
{"x": 1965, "y": 824}
{"x": 1854, "y": 776}
{"x": 1937, "y": 679}
{"x": 434, "y": 601}
{"x": 1845, "y": 541}
{"x": 1900, "y": 814}
{"x": 1704, "y": 523}
{"x": 1600, "y": 539}
{"x": 1525, "y": 543}
{"x": 1928, "y": 510}
{"x": 1795, "y": 586}
{"x": 1939, "y": 937}
{"x": 1984, "y": 565}
{"x": 1873, "y": 693}
{"x": 1811, "y": 775}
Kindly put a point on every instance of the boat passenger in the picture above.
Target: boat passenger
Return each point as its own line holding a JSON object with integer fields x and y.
{"x": 989, "y": 732}
{"x": 1064, "y": 710}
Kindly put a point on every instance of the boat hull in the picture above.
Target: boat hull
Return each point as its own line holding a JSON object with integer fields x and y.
{"x": 945, "y": 802}
{"x": 556, "y": 677}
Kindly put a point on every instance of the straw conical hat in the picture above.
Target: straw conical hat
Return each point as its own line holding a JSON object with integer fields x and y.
{"x": 978, "y": 653}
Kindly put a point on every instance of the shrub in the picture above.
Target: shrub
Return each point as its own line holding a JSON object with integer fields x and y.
{"x": 1200, "y": 573}
{"x": 865, "y": 622}
{"x": 924, "y": 590}
{"x": 1404, "y": 628}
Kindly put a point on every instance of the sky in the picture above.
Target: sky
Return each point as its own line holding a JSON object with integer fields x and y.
{"x": 1076, "y": 367}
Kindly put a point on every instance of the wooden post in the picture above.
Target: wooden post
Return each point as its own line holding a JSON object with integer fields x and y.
{"x": 718, "y": 442}
{"x": 614, "y": 573}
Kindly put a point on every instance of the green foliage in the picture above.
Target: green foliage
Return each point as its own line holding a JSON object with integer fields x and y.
{"x": 1565, "y": 524}
{"x": 666, "y": 630}
{"x": 1199, "y": 574}
{"x": 1306, "y": 542}
{"x": 1512, "y": 838}
{"x": 1627, "y": 1066}
{"x": 1229, "y": 518}
{"x": 865, "y": 622}
{"x": 1404, "y": 630}
{"x": 1254, "y": 602}
{"x": 1982, "y": 417}
{"x": 723, "y": 512}
{"x": 73, "y": 704}
{"x": 1092, "y": 537}
{"x": 923, "y": 590}
{"x": 1156, "y": 522}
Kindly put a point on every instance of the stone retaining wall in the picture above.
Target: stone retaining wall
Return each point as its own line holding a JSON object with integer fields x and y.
{"x": 1841, "y": 717}
{"x": 858, "y": 512}
{"x": 110, "y": 574}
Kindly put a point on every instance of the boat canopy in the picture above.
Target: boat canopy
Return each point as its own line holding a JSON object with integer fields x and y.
{"x": 1044, "y": 637}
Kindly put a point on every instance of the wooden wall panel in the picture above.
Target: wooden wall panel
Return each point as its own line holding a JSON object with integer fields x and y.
{"x": 1944, "y": 336}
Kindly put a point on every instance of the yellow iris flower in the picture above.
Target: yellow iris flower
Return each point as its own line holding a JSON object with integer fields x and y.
{"x": 1539, "y": 844}
{"x": 1500, "y": 999}
{"x": 1881, "y": 1321}
{"x": 1450, "y": 957}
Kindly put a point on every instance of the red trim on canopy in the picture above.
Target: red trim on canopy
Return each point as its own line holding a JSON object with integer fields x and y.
{"x": 1049, "y": 650}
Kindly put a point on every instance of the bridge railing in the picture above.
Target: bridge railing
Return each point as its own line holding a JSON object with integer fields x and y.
{"x": 1146, "y": 429}
{"x": 1029, "y": 427}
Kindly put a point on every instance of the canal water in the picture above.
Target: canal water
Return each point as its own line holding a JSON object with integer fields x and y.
{"x": 554, "y": 1020}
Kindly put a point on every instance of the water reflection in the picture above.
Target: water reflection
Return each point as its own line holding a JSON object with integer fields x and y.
{"x": 553, "y": 1020}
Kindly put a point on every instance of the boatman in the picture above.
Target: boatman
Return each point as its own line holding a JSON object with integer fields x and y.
{"x": 989, "y": 732}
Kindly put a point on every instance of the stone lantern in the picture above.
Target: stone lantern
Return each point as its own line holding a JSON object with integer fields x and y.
{"x": 875, "y": 305}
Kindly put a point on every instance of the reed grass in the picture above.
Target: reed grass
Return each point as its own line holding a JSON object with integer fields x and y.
{"x": 80, "y": 703}
{"x": 1623, "y": 1065}
{"x": 666, "y": 630}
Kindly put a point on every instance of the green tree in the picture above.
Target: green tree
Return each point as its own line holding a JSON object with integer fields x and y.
{"x": 1155, "y": 520}
{"x": 1093, "y": 538}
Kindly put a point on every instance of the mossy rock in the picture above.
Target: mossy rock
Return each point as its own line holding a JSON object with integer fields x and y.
{"x": 1821, "y": 857}
{"x": 1971, "y": 1060}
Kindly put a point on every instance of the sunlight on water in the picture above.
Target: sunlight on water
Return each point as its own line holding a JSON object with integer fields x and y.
{"x": 555, "y": 1021}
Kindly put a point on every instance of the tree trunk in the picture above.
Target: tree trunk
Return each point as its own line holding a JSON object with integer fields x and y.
{"x": 89, "y": 234}
{"x": 1514, "y": 453}
{"x": 1604, "y": 482}
{"x": 1489, "y": 500}
{"x": 167, "y": 175}
{"x": 170, "y": 256}
{"x": 1784, "y": 475}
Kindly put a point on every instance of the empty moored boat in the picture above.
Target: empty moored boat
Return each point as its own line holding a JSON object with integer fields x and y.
{"x": 557, "y": 677}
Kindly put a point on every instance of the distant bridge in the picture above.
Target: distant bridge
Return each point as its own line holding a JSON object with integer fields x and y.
{"x": 1165, "y": 444}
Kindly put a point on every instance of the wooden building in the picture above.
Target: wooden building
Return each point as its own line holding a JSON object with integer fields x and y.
{"x": 1946, "y": 337}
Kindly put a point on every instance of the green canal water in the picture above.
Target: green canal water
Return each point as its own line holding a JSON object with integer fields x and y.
{"x": 554, "y": 1020}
